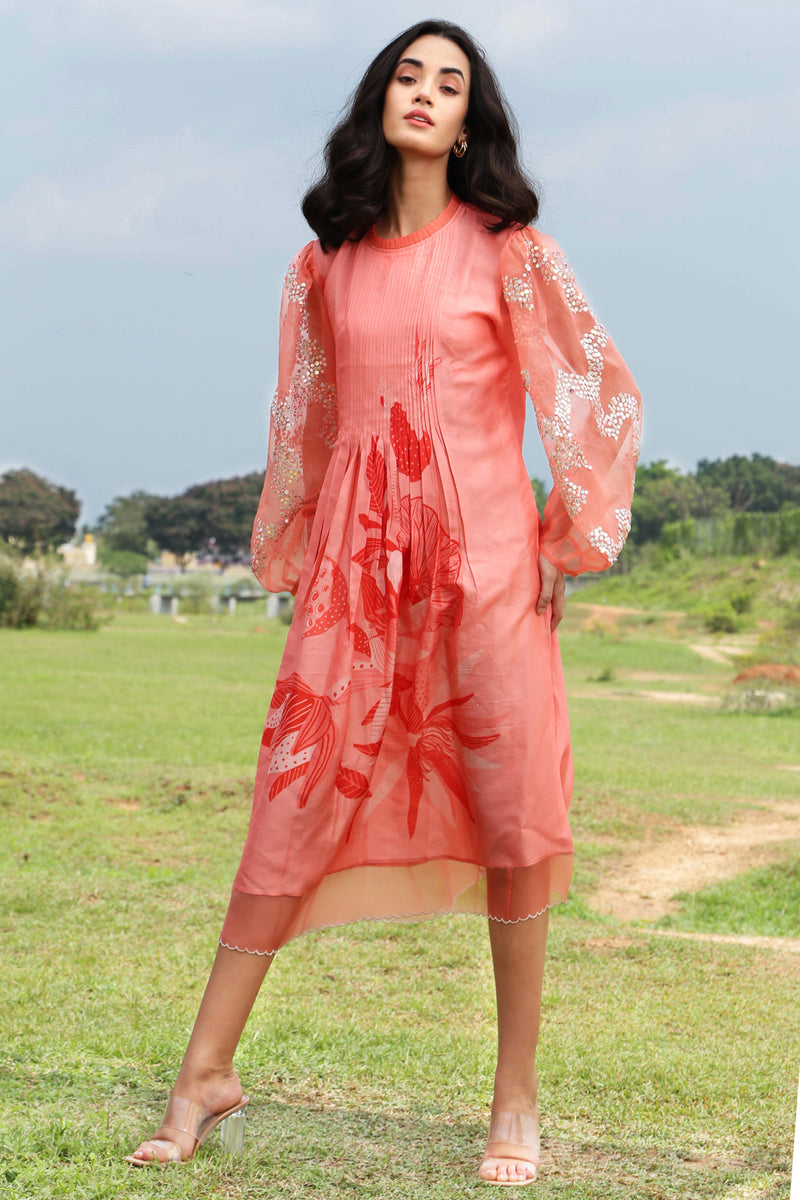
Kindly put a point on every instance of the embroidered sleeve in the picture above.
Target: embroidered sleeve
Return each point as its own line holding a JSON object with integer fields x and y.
{"x": 588, "y": 409}
{"x": 302, "y": 430}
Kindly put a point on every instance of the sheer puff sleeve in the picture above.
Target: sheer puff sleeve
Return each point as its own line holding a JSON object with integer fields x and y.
{"x": 302, "y": 428}
{"x": 588, "y": 409}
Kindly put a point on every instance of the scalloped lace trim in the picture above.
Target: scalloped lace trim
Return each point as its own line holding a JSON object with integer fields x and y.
{"x": 425, "y": 914}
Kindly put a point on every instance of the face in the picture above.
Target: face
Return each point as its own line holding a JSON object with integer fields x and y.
{"x": 426, "y": 102}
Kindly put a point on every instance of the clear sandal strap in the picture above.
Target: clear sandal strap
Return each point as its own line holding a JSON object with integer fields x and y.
{"x": 174, "y": 1151}
{"x": 185, "y": 1116}
{"x": 517, "y": 1131}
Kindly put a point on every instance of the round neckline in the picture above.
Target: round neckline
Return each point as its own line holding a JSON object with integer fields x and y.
{"x": 419, "y": 235}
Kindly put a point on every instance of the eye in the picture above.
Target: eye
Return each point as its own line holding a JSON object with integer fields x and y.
{"x": 405, "y": 79}
{"x": 449, "y": 89}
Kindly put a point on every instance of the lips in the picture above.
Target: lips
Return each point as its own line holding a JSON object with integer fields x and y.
{"x": 418, "y": 115}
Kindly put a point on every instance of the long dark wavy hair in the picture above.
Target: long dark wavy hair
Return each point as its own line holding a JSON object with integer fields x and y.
{"x": 351, "y": 194}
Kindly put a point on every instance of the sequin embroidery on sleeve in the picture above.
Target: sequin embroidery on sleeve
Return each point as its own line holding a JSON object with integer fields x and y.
{"x": 302, "y": 432}
{"x": 587, "y": 407}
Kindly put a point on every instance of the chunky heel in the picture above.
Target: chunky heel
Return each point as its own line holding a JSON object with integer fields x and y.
{"x": 231, "y": 1132}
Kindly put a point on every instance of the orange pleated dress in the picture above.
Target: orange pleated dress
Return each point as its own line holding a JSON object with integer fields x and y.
{"x": 416, "y": 755}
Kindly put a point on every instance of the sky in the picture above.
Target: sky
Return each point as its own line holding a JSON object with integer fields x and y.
{"x": 153, "y": 158}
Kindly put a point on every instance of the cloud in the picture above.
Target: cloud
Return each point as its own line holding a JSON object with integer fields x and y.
{"x": 648, "y": 157}
{"x": 217, "y": 26}
{"x": 524, "y": 27}
{"x": 681, "y": 32}
{"x": 27, "y": 127}
{"x": 158, "y": 198}
{"x": 164, "y": 26}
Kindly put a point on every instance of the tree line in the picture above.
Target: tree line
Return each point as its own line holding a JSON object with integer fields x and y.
{"x": 211, "y": 519}
{"x": 727, "y": 502}
{"x": 734, "y": 485}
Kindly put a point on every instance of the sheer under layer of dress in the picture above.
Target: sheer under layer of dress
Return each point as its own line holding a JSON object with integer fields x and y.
{"x": 258, "y": 924}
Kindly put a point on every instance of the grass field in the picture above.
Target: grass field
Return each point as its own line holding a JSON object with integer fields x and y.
{"x": 668, "y": 1067}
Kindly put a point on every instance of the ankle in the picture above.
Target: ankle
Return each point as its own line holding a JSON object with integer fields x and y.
{"x": 205, "y": 1079}
{"x": 515, "y": 1090}
{"x": 202, "y": 1068}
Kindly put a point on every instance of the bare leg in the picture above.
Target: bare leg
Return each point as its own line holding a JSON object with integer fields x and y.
{"x": 518, "y": 951}
{"x": 207, "y": 1076}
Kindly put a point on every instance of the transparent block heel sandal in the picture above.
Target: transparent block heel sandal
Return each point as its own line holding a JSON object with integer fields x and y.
{"x": 513, "y": 1138}
{"x": 184, "y": 1116}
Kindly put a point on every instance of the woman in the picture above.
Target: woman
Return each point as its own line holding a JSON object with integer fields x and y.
{"x": 416, "y": 755}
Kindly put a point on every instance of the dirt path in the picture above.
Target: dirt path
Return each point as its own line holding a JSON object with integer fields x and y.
{"x": 718, "y": 654}
{"x": 791, "y": 945}
{"x": 642, "y": 884}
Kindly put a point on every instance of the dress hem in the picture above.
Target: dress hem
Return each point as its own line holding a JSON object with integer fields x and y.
{"x": 411, "y": 863}
{"x": 398, "y": 918}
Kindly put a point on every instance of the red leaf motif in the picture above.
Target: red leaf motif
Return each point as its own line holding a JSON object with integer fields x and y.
{"x": 440, "y": 708}
{"x": 370, "y": 554}
{"x": 434, "y": 563}
{"x": 474, "y": 743}
{"x": 373, "y": 749}
{"x": 413, "y": 453}
{"x": 374, "y": 603}
{"x": 416, "y": 780}
{"x": 450, "y": 776}
{"x": 442, "y": 723}
{"x": 376, "y": 476}
{"x": 352, "y": 784}
{"x": 436, "y": 748}
{"x": 424, "y": 366}
{"x": 360, "y": 639}
{"x": 411, "y": 716}
{"x": 308, "y": 717}
{"x": 327, "y": 602}
{"x": 370, "y": 717}
{"x": 282, "y": 781}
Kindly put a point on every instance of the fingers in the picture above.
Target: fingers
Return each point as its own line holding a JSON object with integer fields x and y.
{"x": 557, "y": 603}
{"x": 548, "y": 576}
{"x": 545, "y": 596}
{"x": 551, "y": 592}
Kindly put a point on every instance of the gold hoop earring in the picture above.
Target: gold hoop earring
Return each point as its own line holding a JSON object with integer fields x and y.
{"x": 460, "y": 148}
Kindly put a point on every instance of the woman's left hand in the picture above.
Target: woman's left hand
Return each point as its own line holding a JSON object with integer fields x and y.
{"x": 550, "y": 592}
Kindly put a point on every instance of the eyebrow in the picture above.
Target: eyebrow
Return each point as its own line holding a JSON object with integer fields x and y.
{"x": 415, "y": 62}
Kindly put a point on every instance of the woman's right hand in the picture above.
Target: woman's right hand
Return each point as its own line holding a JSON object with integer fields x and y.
{"x": 551, "y": 592}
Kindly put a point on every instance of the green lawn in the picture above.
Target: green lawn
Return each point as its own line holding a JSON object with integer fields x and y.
{"x": 763, "y": 901}
{"x": 668, "y": 1068}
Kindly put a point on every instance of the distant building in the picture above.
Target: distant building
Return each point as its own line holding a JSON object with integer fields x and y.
{"x": 169, "y": 561}
{"x": 82, "y": 555}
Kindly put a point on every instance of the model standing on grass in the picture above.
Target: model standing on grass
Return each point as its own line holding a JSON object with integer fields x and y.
{"x": 416, "y": 757}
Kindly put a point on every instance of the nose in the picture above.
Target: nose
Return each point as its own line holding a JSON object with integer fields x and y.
{"x": 422, "y": 97}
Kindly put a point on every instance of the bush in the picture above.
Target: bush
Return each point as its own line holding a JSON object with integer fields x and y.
{"x": 123, "y": 562}
{"x": 32, "y": 600}
{"x": 780, "y": 642}
{"x": 68, "y": 608}
{"x": 721, "y": 620}
{"x": 741, "y": 602}
{"x": 195, "y": 596}
{"x": 20, "y": 598}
